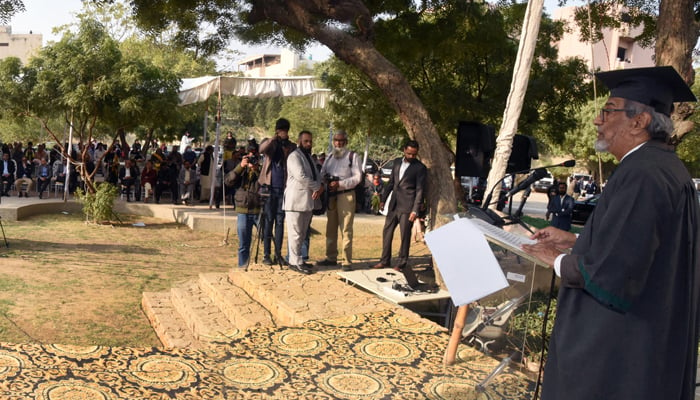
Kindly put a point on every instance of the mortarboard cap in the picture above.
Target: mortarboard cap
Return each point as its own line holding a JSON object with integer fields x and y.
{"x": 658, "y": 87}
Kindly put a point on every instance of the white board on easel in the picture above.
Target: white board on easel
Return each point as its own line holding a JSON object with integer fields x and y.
{"x": 466, "y": 261}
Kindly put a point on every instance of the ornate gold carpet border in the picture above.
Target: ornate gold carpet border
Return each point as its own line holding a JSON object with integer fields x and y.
{"x": 381, "y": 355}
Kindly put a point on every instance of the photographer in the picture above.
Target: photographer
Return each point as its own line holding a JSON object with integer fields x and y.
{"x": 273, "y": 178}
{"x": 247, "y": 200}
{"x": 343, "y": 172}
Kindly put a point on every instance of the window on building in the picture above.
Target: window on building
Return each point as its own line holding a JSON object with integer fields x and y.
{"x": 621, "y": 53}
{"x": 4, "y": 44}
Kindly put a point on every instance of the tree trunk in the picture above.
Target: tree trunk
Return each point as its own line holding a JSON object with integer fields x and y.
{"x": 410, "y": 109}
{"x": 147, "y": 143}
{"x": 676, "y": 35}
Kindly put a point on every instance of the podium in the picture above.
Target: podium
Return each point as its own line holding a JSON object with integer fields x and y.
{"x": 449, "y": 242}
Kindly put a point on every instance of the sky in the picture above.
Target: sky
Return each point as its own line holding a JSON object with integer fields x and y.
{"x": 42, "y": 16}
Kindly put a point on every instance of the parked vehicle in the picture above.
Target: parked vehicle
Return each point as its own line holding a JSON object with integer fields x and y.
{"x": 543, "y": 184}
{"x": 583, "y": 209}
{"x": 478, "y": 190}
{"x": 371, "y": 166}
{"x": 386, "y": 169}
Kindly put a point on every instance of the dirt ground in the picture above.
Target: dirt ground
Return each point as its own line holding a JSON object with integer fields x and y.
{"x": 63, "y": 281}
{"x": 68, "y": 282}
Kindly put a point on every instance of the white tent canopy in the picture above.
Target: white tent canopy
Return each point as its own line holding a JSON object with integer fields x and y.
{"x": 195, "y": 90}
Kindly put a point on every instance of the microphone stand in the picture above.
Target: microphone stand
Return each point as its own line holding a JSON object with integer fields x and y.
{"x": 516, "y": 218}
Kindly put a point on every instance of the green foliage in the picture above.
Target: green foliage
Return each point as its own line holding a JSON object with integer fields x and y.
{"x": 525, "y": 326}
{"x": 99, "y": 206}
{"x": 459, "y": 59}
{"x": 8, "y": 8}
{"x": 103, "y": 74}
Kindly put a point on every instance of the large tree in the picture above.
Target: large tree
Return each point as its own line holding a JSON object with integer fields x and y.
{"x": 345, "y": 27}
{"x": 459, "y": 59}
{"x": 85, "y": 80}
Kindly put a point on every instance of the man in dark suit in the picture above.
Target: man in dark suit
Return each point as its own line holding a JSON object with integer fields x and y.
{"x": 406, "y": 186}
{"x": 128, "y": 176}
{"x": 7, "y": 170}
{"x": 561, "y": 206}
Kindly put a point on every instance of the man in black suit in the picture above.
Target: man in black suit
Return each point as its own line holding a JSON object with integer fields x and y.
{"x": 406, "y": 186}
{"x": 7, "y": 171}
{"x": 128, "y": 176}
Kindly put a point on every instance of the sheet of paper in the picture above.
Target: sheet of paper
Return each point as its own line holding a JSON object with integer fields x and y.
{"x": 465, "y": 260}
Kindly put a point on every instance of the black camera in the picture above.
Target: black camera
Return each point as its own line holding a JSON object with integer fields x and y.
{"x": 284, "y": 142}
{"x": 331, "y": 178}
{"x": 253, "y": 160}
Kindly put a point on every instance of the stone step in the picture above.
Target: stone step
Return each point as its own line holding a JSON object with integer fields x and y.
{"x": 205, "y": 320}
{"x": 169, "y": 326}
{"x": 293, "y": 298}
{"x": 243, "y": 312}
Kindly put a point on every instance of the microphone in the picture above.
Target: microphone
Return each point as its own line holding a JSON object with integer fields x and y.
{"x": 566, "y": 164}
{"x": 535, "y": 175}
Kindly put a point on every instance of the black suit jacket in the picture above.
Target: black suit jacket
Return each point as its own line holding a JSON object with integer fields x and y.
{"x": 11, "y": 167}
{"x": 409, "y": 190}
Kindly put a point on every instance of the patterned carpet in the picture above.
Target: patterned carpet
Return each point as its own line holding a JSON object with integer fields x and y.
{"x": 383, "y": 355}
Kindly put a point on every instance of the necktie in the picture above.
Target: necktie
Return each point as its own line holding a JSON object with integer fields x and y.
{"x": 311, "y": 164}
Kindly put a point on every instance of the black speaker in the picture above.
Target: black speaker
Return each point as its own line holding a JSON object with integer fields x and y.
{"x": 523, "y": 152}
{"x": 476, "y": 144}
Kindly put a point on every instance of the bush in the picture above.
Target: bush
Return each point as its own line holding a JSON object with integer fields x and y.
{"x": 99, "y": 206}
{"x": 526, "y": 324}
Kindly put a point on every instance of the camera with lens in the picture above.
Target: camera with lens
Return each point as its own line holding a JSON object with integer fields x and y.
{"x": 331, "y": 178}
{"x": 253, "y": 159}
{"x": 284, "y": 142}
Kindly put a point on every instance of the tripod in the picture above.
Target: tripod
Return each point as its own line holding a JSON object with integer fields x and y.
{"x": 260, "y": 228}
{"x": 7, "y": 245}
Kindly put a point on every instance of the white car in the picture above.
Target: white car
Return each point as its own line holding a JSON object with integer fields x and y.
{"x": 543, "y": 184}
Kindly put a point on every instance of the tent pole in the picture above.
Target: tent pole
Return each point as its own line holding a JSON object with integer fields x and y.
{"x": 67, "y": 155}
{"x": 216, "y": 149}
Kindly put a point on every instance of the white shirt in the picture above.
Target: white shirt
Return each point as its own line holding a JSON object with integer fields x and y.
{"x": 403, "y": 168}
{"x": 184, "y": 142}
{"x": 350, "y": 175}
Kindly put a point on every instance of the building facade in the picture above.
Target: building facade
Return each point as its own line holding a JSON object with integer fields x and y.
{"x": 617, "y": 49}
{"x": 267, "y": 65}
{"x": 22, "y": 46}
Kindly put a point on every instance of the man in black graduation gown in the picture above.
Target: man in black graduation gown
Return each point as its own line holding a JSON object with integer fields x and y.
{"x": 627, "y": 313}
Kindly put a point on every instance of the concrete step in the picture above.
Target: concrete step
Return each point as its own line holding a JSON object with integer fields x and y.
{"x": 293, "y": 298}
{"x": 169, "y": 326}
{"x": 207, "y": 322}
{"x": 243, "y": 312}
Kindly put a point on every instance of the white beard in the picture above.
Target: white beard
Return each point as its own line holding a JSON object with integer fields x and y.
{"x": 601, "y": 145}
{"x": 339, "y": 152}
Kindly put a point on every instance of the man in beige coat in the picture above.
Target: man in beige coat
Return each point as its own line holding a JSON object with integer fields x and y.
{"x": 302, "y": 188}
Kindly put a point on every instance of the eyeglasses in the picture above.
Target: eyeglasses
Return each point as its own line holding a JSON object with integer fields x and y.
{"x": 605, "y": 111}
{"x": 340, "y": 140}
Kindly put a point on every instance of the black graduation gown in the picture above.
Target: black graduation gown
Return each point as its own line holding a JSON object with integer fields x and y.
{"x": 628, "y": 327}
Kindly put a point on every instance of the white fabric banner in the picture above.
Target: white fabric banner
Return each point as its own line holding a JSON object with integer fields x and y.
{"x": 195, "y": 90}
